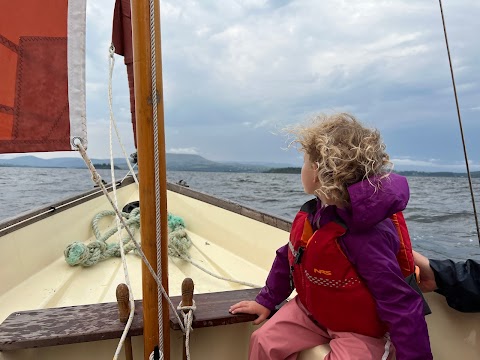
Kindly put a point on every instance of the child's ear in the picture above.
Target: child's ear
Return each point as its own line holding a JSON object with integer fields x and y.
{"x": 316, "y": 167}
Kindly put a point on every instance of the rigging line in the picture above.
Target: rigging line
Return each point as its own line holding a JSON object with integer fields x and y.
{"x": 129, "y": 172}
{"x": 111, "y": 61}
{"x": 114, "y": 188}
{"x": 156, "y": 155}
{"x": 460, "y": 122}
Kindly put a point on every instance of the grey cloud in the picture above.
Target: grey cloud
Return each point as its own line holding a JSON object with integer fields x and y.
{"x": 276, "y": 62}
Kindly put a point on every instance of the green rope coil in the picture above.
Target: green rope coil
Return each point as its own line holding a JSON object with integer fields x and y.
{"x": 79, "y": 253}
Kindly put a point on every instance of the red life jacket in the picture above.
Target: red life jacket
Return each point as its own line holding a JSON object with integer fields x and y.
{"x": 328, "y": 284}
{"x": 405, "y": 254}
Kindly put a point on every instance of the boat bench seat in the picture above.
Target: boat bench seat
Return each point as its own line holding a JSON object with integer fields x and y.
{"x": 83, "y": 323}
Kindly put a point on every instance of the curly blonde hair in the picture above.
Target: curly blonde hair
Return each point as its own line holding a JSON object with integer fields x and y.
{"x": 344, "y": 152}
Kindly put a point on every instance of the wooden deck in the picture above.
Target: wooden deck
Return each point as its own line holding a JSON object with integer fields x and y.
{"x": 84, "y": 323}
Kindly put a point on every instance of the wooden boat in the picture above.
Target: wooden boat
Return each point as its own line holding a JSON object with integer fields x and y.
{"x": 226, "y": 243}
{"x": 50, "y": 310}
{"x": 35, "y": 276}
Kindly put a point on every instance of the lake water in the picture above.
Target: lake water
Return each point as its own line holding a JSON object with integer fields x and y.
{"x": 439, "y": 215}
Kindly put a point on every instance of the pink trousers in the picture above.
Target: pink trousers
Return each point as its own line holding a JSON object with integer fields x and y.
{"x": 291, "y": 330}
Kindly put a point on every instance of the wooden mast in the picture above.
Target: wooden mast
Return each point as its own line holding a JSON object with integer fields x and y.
{"x": 146, "y": 169}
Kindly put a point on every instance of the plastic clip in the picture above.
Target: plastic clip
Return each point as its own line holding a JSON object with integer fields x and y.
{"x": 298, "y": 257}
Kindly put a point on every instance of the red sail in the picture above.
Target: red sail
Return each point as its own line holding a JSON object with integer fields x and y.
{"x": 122, "y": 40}
{"x": 42, "y": 72}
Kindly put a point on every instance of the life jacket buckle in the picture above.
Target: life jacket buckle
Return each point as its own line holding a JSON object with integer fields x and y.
{"x": 298, "y": 257}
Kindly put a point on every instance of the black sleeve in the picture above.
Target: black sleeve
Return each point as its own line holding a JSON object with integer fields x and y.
{"x": 459, "y": 283}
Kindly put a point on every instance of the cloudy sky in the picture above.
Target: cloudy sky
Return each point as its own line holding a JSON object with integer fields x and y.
{"x": 237, "y": 71}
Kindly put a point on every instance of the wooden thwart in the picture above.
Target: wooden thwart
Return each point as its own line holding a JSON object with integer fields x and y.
{"x": 83, "y": 323}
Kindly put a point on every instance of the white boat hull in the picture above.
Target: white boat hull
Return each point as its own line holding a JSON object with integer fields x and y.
{"x": 34, "y": 275}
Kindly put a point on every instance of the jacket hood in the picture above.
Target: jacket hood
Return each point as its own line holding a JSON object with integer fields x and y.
{"x": 372, "y": 204}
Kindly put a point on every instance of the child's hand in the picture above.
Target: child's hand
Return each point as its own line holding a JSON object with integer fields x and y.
{"x": 251, "y": 307}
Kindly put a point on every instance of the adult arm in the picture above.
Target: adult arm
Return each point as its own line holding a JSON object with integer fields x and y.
{"x": 398, "y": 305}
{"x": 459, "y": 283}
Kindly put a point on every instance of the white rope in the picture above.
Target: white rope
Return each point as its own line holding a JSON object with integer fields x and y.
{"x": 98, "y": 180}
{"x": 222, "y": 277}
{"x": 111, "y": 63}
{"x": 114, "y": 189}
{"x": 129, "y": 172}
{"x": 153, "y": 67}
{"x": 151, "y": 357}
{"x": 182, "y": 256}
{"x": 187, "y": 312}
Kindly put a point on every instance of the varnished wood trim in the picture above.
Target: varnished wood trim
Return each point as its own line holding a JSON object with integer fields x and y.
{"x": 31, "y": 217}
{"x": 84, "y": 323}
{"x": 265, "y": 218}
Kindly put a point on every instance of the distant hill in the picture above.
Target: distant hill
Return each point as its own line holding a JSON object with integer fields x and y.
{"x": 474, "y": 174}
{"x": 68, "y": 162}
{"x": 261, "y": 164}
{"x": 175, "y": 162}
{"x": 285, "y": 170}
{"x": 186, "y": 162}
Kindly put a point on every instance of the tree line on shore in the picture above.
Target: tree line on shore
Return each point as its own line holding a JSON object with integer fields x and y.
{"x": 474, "y": 174}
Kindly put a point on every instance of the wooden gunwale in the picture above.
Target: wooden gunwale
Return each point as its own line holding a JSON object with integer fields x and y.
{"x": 30, "y": 217}
{"x": 27, "y": 218}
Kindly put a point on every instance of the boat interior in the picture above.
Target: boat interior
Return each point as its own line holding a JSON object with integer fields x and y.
{"x": 42, "y": 291}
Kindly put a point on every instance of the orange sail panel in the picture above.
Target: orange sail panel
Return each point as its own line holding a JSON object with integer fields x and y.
{"x": 42, "y": 75}
{"x": 122, "y": 40}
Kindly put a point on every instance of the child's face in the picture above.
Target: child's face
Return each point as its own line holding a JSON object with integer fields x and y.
{"x": 310, "y": 180}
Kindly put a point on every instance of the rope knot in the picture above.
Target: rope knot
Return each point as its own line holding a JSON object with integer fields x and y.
{"x": 76, "y": 253}
{"x": 187, "y": 308}
{"x": 187, "y": 312}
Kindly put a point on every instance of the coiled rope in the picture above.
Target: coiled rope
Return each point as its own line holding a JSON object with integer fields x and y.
{"x": 82, "y": 254}
{"x": 179, "y": 244}
{"x": 86, "y": 255}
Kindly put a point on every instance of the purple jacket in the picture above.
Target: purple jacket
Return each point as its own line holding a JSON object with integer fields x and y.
{"x": 371, "y": 245}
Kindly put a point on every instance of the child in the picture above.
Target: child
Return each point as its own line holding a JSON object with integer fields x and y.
{"x": 342, "y": 257}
